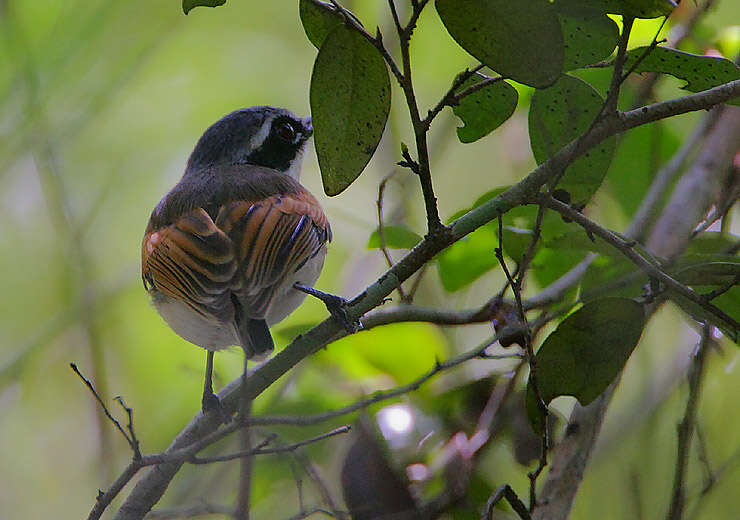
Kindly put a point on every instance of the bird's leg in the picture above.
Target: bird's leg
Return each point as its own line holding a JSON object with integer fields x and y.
{"x": 211, "y": 402}
{"x": 336, "y": 305}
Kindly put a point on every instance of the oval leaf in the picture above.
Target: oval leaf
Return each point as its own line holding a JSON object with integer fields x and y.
{"x": 589, "y": 35}
{"x": 586, "y": 352}
{"x": 484, "y": 110}
{"x": 634, "y": 8}
{"x": 189, "y": 5}
{"x": 319, "y": 19}
{"x": 558, "y": 115}
{"x": 396, "y": 237}
{"x": 350, "y": 102}
{"x": 699, "y": 72}
{"x": 499, "y": 34}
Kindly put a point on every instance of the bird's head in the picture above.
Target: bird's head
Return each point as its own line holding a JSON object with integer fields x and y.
{"x": 263, "y": 135}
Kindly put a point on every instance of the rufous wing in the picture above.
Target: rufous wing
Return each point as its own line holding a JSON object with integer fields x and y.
{"x": 193, "y": 261}
{"x": 273, "y": 238}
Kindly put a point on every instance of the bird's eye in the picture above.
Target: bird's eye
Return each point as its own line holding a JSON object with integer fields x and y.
{"x": 285, "y": 131}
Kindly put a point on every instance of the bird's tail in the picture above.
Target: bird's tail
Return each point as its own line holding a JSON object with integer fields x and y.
{"x": 255, "y": 337}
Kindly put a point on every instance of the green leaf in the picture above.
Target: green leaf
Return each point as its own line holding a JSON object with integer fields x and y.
{"x": 702, "y": 315}
{"x": 634, "y": 8}
{"x": 396, "y": 237}
{"x": 484, "y": 110}
{"x": 706, "y": 269}
{"x": 473, "y": 256}
{"x": 579, "y": 240}
{"x": 699, "y": 72}
{"x": 612, "y": 276}
{"x": 558, "y": 115}
{"x": 586, "y": 352}
{"x": 318, "y": 19}
{"x": 469, "y": 258}
{"x": 712, "y": 242}
{"x": 350, "y": 102}
{"x": 589, "y": 35}
{"x": 189, "y": 5}
{"x": 499, "y": 34}
{"x": 634, "y": 165}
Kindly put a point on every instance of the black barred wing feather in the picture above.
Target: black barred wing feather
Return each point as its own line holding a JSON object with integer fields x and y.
{"x": 273, "y": 238}
{"x": 193, "y": 261}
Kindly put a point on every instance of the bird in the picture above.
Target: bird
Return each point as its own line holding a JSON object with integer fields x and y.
{"x": 236, "y": 244}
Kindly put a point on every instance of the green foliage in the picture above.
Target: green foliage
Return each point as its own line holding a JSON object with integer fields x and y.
{"x": 485, "y": 110}
{"x": 558, "y": 115}
{"x": 589, "y": 36}
{"x": 699, "y": 72}
{"x": 633, "y": 8}
{"x": 640, "y": 152}
{"x": 491, "y": 30}
{"x": 586, "y": 352}
{"x": 350, "y": 102}
{"x": 189, "y": 5}
{"x": 396, "y": 237}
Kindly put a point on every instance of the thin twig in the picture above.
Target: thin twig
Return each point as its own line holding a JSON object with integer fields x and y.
{"x": 132, "y": 442}
{"x": 531, "y": 358}
{"x": 130, "y": 427}
{"x": 687, "y": 425}
{"x": 511, "y": 497}
{"x": 192, "y": 511}
{"x": 449, "y": 98}
{"x": 311, "y": 512}
{"x": 627, "y": 249}
{"x": 612, "y": 97}
{"x": 269, "y": 451}
{"x": 381, "y": 227}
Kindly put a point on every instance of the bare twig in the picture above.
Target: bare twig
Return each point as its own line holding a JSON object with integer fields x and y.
{"x": 627, "y": 249}
{"x": 269, "y": 451}
{"x": 192, "y": 511}
{"x": 686, "y": 427}
{"x": 612, "y": 97}
{"x": 511, "y": 497}
{"x": 377, "y": 397}
{"x": 381, "y": 228}
{"x": 130, "y": 427}
{"x": 531, "y": 358}
{"x": 130, "y": 439}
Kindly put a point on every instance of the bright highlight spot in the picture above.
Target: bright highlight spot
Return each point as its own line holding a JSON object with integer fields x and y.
{"x": 395, "y": 420}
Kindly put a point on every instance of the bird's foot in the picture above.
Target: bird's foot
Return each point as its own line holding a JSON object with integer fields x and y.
{"x": 211, "y": 404}
{"x": 336, "y": 305}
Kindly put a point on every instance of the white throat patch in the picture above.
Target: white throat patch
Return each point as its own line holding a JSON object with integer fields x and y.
{"x": 295, "y": 165}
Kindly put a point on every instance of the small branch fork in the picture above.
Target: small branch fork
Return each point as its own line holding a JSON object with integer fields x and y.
{"x": 505, "y": 492}
{"x": 129, "y": 433}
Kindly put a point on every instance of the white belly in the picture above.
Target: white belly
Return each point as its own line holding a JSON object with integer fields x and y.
{"x": 213, "y": 334}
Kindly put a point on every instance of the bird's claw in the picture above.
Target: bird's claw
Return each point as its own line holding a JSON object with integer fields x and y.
{"x": 211, "y": 404}
{"x": 336, "y": 305}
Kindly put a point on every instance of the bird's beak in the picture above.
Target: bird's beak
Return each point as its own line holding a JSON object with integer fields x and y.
{"x": 307, "y": 128}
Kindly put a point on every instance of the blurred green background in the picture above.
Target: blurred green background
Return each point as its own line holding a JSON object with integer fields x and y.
{"x": 101, "y": 103}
